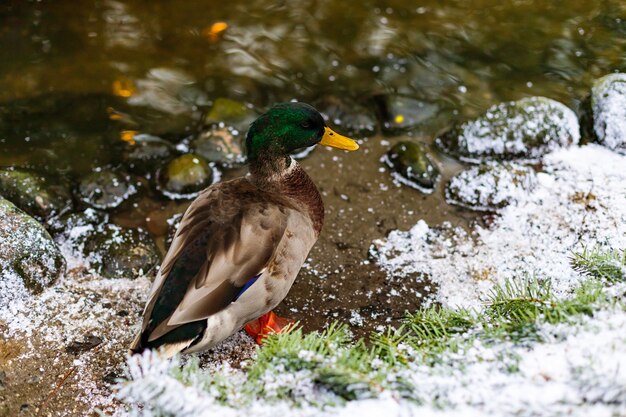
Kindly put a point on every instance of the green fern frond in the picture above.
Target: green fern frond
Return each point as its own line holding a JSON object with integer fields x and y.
{"x": 608, "y": 265}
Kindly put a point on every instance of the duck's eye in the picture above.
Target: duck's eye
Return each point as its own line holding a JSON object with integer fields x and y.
{"x": 306, "y": 124}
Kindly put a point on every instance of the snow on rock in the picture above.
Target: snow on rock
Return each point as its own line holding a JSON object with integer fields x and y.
{"x": 490, "y": 186}
{"x": 29, "y": 258}
{"x": 608, "y": 104}
{"x": 580, "y": 200}
{"x": 525, "y": 129}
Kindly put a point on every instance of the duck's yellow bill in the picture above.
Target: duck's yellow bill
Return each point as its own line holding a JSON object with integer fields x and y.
{"x": 335, "y": 140}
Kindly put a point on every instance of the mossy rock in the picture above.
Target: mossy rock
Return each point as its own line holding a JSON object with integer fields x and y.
{"x": 350, "y": 118}
{"x": 27, "y": 250}
{"x": 411, "y": 165}
{"x": 524, "y": 130}
{"x": 184, "y": 177}
{"x": 106, "y": 189}
{"x": 222, "y": 145}
{"x": 608, "y": 107}
{"x": 42, "y": 196}
{"x": 146, "y": 152}
{"x": 490, "y": 186}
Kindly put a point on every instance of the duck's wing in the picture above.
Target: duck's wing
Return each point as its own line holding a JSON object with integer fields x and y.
{"x": 226, "y": 237}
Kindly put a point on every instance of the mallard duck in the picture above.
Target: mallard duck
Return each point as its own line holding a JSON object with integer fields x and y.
{"x": 241, "y": 243}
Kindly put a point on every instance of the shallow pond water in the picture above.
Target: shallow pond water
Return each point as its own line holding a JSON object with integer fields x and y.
{"x": 75, "y": 76}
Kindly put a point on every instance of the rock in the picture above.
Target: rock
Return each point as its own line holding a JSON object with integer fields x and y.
{"x": 77, "y": 226}
{"x": 350, "y": 118}
{"x": 402, "y": 113}
{"x": 42, "y": 196}
{"x": 184, "y": 177}
{"x": 146, "y": 153}
{"x": 490, "y": 186}
{"x": 411, "y": 165}
{"x": 116, "y": 252}
{"x": 230, "y": 113}
{"x": 223, "y": 140}
{"x": 27, "y": 250}
{"x": 89, "y": 342}
{"x": 524, "y": 129}
{"x": 222, "y": 145}
{"x": 608, "y": 106}
{"x": 106, "y": 189}
{"x": 109, "y": 250}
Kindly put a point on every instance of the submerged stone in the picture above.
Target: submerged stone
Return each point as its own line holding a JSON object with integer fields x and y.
{"x": 525, "y": 129}
{"x": 402, "y": 113}
{"x": 349, "y": 117}
{"x": 164, "y": 102}
{"x": 222, "y": 145}
{"x": 40, "y": 195}
{"x": 412, "y": 166}
{"x": 106, "y": 189}
{"x": 608, "y": 106}
{"x": 184, "y": 177}
{"x": 27, "y": 250}
{"x": 230, "y": 113}
{"x": 490, "y": 186}
{"x": 146, "y": 153}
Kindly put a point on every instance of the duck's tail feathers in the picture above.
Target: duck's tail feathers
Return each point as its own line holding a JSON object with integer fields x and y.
{"x": 171, "y": 343}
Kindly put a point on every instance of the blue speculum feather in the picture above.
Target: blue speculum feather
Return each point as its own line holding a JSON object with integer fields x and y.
{"x": 248, "y": 285}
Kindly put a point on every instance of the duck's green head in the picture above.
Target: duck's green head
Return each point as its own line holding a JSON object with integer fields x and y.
{"x": 290, "y": 126}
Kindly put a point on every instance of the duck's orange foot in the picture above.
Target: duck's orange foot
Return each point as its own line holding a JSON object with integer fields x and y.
{"x": 268, "y": 323}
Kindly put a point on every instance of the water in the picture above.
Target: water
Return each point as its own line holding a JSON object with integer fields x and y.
{"x": 64, "y": 64}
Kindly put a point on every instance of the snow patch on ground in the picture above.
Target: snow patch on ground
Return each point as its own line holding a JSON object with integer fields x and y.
{"x": 77, "y": 307}
{"x": 579, "y": 371}
{"x": 580, "y": 200}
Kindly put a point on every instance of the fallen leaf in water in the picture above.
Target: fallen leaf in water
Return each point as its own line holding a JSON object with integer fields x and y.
{"x": 123, "y": 87}
{"x": 214, "y": 31}
{"x": 128, "y": 136}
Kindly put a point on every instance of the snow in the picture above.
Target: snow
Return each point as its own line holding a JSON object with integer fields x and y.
{"x": 578, "y": 368}
{"x": 24, "y": 244}
{"x": 580, "y": 200}
{"x": 490, "y": 186}
{"x": 609, "y": 111}
{"x": 579, "y": 371}
{"x": 508, "y": 129}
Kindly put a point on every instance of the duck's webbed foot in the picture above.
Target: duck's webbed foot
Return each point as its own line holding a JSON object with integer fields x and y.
{"x": 268, "y": 323}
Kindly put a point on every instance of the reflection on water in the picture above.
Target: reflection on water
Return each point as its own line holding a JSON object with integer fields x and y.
{"x": 468, "y": 53}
